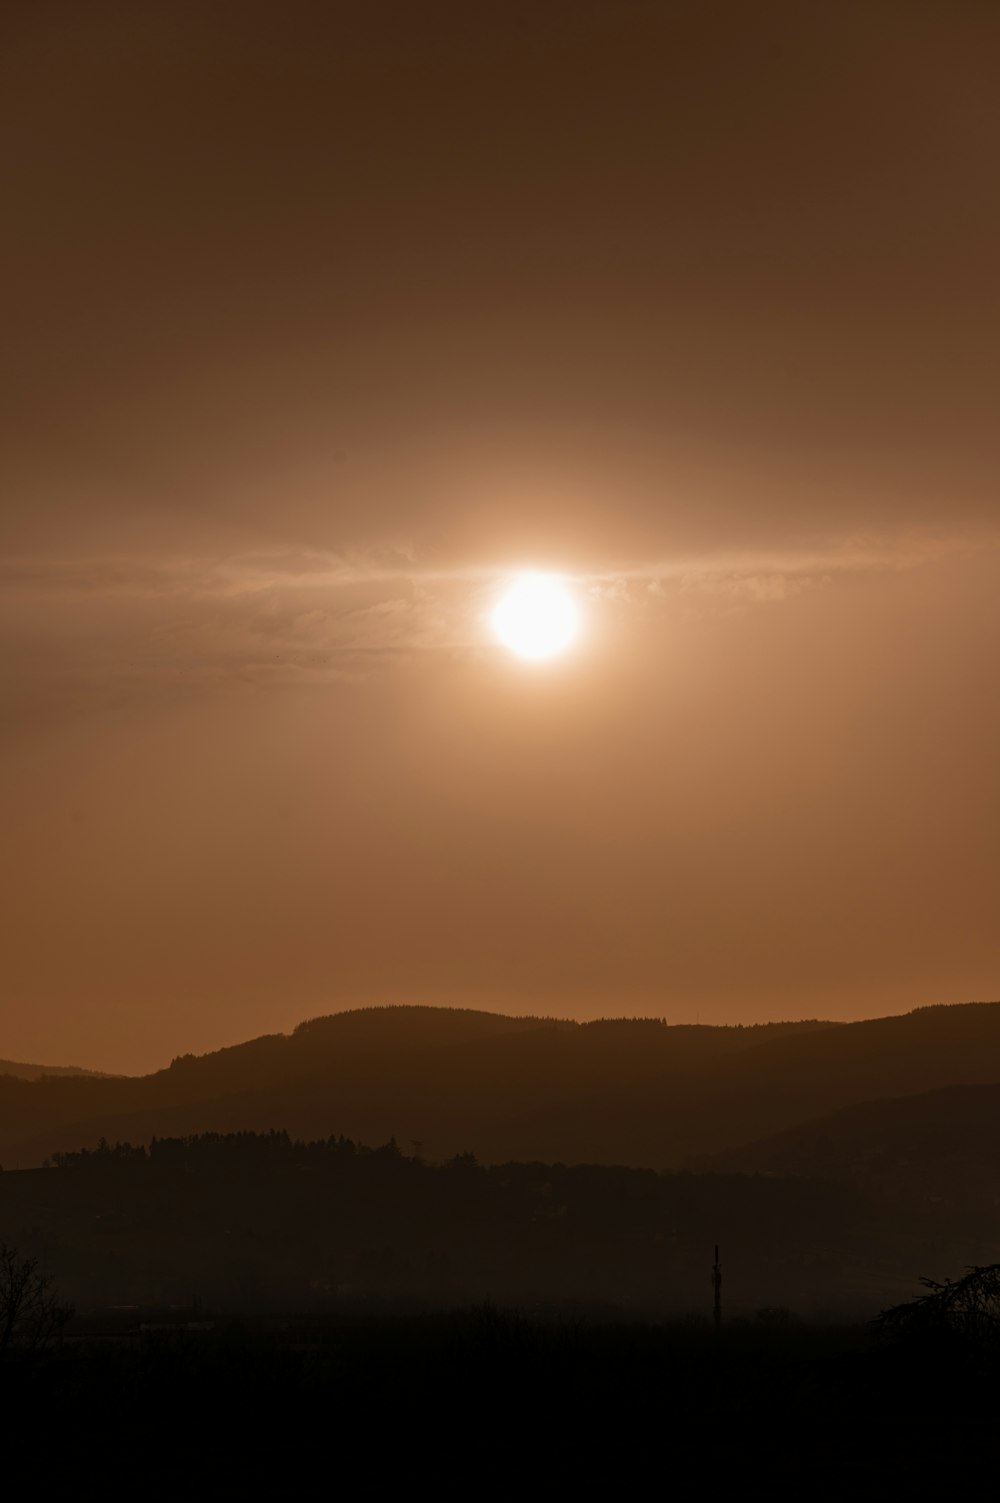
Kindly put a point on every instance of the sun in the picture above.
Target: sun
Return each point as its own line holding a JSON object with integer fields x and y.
{"x": 536, "y": 617}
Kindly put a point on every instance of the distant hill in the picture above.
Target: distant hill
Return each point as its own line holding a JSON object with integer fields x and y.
{"x": 445, "y": 1077}
{"x": 32, "y": 1072}
{"x": 636, "y": 1092}
{"x": 939, "y": 1149}
{"x": 246, "y": 1221}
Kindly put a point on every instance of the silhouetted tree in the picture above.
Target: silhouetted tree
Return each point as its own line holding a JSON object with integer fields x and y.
{"x": 464, "y": 1161}
{"x": 29, "y": 1311}
{"x": 968, "y": 1307}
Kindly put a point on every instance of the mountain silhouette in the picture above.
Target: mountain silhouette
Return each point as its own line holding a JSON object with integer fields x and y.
{"x": 24, "y": 1071}
{"x": 939, "y": 1149}
{"x": 637, "y": 1092}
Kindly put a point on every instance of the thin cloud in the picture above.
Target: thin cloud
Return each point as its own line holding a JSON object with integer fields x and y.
{"x": 139, "y": 627}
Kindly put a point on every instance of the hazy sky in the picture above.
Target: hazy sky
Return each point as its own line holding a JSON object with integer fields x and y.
{"x": 322, "y": 318}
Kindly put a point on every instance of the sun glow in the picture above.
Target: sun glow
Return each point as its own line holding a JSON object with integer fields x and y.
{"x": 536, "y": 617}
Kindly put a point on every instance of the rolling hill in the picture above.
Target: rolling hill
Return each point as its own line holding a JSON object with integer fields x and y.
{"x": 636, "y": 1092}
{"x": 23, "y": 1071}
{"x": 939, "y": 1150}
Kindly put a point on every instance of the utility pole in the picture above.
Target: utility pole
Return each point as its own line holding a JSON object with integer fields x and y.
{"x": 717, "y": 1290}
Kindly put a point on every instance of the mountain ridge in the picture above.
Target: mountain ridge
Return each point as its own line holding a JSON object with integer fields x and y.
{"x": 21, "y": 1070}
{"x": 640, "y": 1091}
{"x": 934, "y": 1146}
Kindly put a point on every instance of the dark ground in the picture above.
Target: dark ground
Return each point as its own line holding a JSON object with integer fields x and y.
{"x": 484, "y": 1400}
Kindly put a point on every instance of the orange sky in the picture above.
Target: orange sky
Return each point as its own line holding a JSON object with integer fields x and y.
{"x": 325, "y": 317}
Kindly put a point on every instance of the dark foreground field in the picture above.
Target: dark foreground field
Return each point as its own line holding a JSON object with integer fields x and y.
{"x": 484, "y": 1401}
